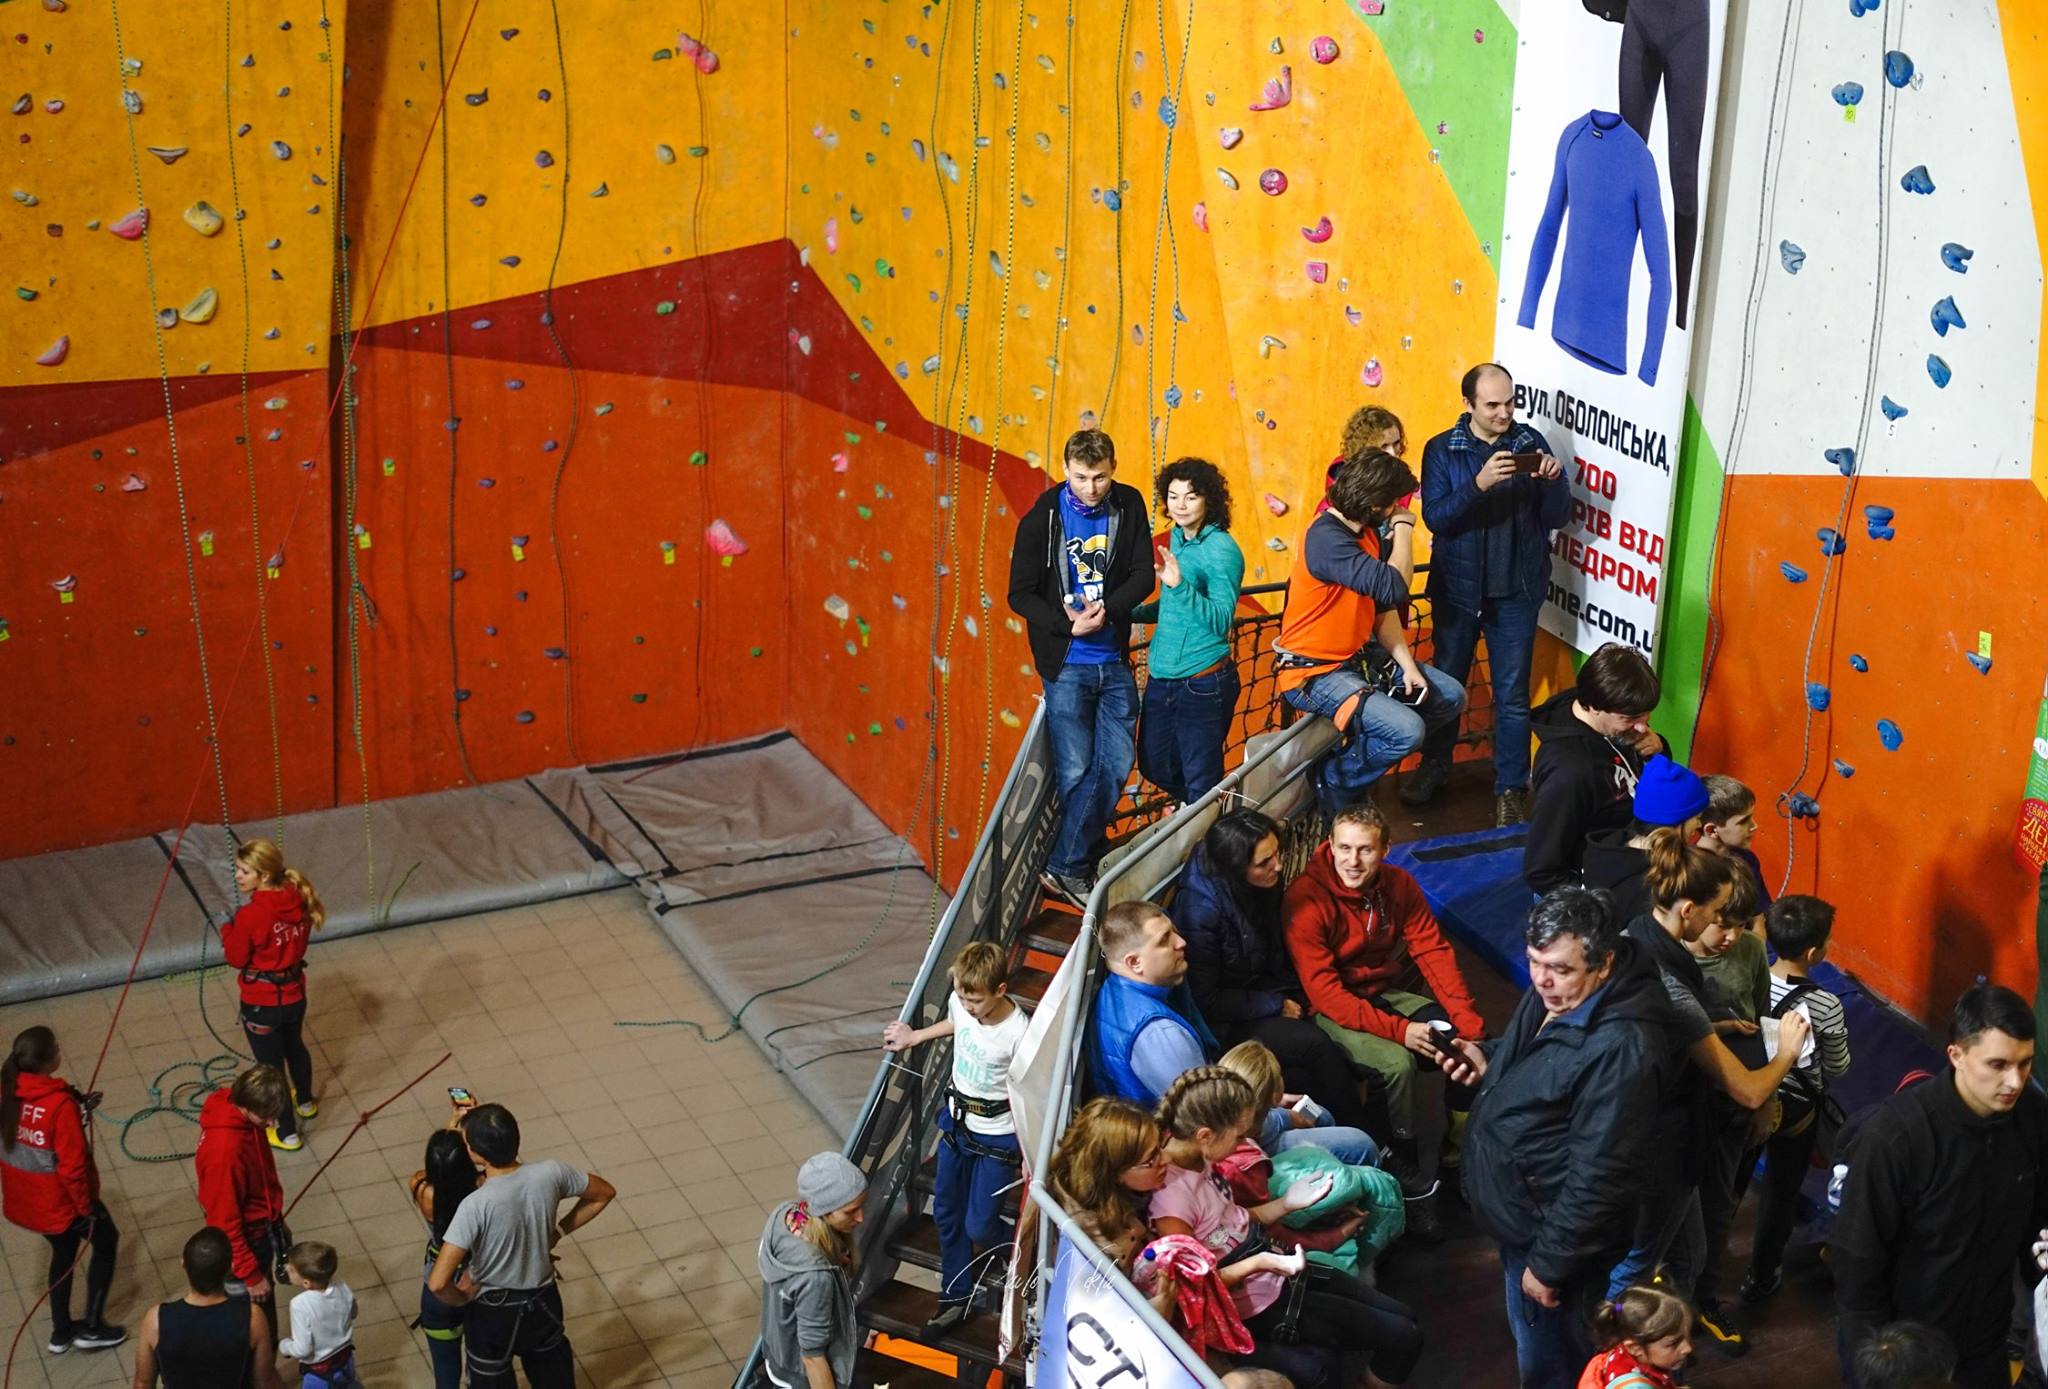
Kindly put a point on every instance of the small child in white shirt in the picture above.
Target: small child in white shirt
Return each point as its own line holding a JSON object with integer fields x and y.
{"x": 323, "y": 1319}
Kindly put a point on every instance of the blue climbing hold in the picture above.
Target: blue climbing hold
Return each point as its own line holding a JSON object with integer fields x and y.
{"x": 1888, "y": 733}
{"x": 1831, "y": 541}
{"x": 1860, "y": 8}
{"x": 1792, "y": 572}
{"x": 554, "y": 653}
{"x": 458, "y": 574}
{"x": 515, "y": 384}
{"x": 509, "y": 262}
{"x": 1112, "y": 199}
{"x": 542, "y": 159}
{"x": 1173, "y": 397}
{"x": 1844, "y": 460}
{"x": 1898, "y": 68}
{"x": 461, "y": 695}
{"x": 524, "y": 716}
{"x": 1892, "y": 409}
{"x": 1982, "y": 663}
{"x": 490, "y": 631}
{"x": 1843, "y": 769}
{"x": 1791, "y": 257}
{"x": 1937, "y": 371}
{"x": 1915, "y": 180}
{"x": 1848, "y": 93}
{"x": 1945, "y": 315}
{"x": 1167, "y": 114}
{"x": 1956, "y": 256}
{"x": 1801, "y": 806}
{"x": 1878, "y": 519}
{"x": 1858, "y": 664}
{"x": 1817, "y": 697}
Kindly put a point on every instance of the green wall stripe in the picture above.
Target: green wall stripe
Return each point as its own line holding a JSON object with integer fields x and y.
{"x": 1689, "y": 574}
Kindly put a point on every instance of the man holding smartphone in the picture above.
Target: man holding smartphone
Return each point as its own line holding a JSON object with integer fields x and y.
{"x": 1491, "y": 495}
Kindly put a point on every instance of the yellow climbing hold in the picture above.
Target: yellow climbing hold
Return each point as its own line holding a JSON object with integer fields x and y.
{"x": 202, "y": 218}
{"x": 200, "y": 310}
{"x": 1010, "y": 720}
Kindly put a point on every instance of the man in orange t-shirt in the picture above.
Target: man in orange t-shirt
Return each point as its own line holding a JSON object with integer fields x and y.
{"x": 1340, "y": 596}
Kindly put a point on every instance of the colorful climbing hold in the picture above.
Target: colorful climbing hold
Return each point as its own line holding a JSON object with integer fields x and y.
{"x": 1858, "y": 664}
{"x": 1956, "y": 256}
{"x": 664, "y": 154}
{"x": 1891, "y": 408}
{"x": 1844, "y": 459}
{"x": 1792, "y": 572}
{"x": 1230, "y": 136}
{"x": 1945, "y": 315}
{"x": 1112, "y": 199}
{"x": 1916, "y": 180}
{"x": 1898, "y": 68}
{"x": 202, "y": 218}
{"x": 1318, "y": 271}
{"x": 280, "y": 149}
{"x": 1319, "y": 233}
{"x": 1938, "y": 372}
{"x": 1817, "y": 697}
{"x": 1888, "y": 733}
{"x": 543, "y": 160}
{"x": 1227, "y": 178}
{"x": 170, "y": 154}
{"x": 1831, "y": 541}
{"x": 1848, "y": 93}
{"x": 1276, "y": 505}
{"x": 1371, "y": 373}
{"x": 1273, "y": 182}
{"x": 1981, "y": 663}
{"x": 1279, "y": 91}
{"x": 1199, "y": 213}
{"x": 1843, "y": 769}
{"x": 1878, "y": 521}
{"x": 1801, "y": 806}
{"x": 131, "y": 227}
{"x": 1323, "y": 49}
{"x": 202, "y": 307}
{"x": 55, "y": 353}
{"x": 1791, "y": 257}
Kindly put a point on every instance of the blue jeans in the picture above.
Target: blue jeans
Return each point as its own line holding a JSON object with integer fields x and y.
{"x": 1382, "y": 730}
{"x": 967, "y": 1207}
{"x": 443, "y": 1327}
{"x": 1091, "y": 715}
{"x": 1510, "y": 628}
{"x": 1670, "y": 1230}
{"x": 1552, "y": 1344}
{"x": 1181, "y": 732}
{"x": 1352, "y": 1147}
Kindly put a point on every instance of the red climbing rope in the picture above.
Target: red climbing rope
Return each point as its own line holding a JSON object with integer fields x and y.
{"x": 362, "y": 1121}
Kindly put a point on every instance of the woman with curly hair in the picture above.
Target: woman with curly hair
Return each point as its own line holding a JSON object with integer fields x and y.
{"x": 1191, "y": 686}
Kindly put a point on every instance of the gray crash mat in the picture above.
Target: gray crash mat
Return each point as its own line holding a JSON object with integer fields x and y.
{"x": 804, "y": 914}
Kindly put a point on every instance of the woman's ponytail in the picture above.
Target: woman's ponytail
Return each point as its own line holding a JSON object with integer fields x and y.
{"x": 316, "y": 914}
{"x": 1682, "y": 872}
{"x": 34, "y": 1051}
{"x": 1206, "y": 1097}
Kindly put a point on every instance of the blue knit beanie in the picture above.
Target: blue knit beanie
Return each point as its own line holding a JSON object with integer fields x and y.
{"x": 1669, "y": 793}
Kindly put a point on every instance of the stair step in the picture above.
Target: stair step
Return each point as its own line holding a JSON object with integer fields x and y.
{"x": 902, "y": 1310}
{"x": 1053, "y": 930}
{"x": 872, "y": 1368}
{"x": 917, "y": 1242}
{"x": 1029, "y": 984}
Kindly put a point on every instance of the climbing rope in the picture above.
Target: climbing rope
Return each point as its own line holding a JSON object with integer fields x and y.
{"x": 1156, "y": 436}
{"x": 704, "y": 657}
{"x": 547, "y": 318}
{"x": 1123, "y": 48}
{"x": 248, "y": 436}
{"x": 1059, "y": 318}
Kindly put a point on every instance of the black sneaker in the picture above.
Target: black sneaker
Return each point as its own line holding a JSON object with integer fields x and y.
{"x": 1756, "y": 1290}
{"x": 59, "y": 1344}
{"x": 951, "y": 1314}
{"x": 1423, "y": 785}
{"x": 101, "y": 1336}
{"x": 1067, "y": 887}
{"x": 1510, "y": 808}
{"x": 1723, "y": 1329}
{"x": 1425, "y": 1223}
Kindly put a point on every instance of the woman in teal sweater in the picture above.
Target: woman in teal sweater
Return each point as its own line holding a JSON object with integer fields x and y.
{"x": 1191, "y": 687}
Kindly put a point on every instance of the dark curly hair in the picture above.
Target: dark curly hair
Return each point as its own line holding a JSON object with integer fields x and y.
{"x": 1207, "y": 480}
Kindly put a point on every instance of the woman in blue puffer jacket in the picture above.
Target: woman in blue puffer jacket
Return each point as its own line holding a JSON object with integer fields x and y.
{"x": 1227, "y": 908}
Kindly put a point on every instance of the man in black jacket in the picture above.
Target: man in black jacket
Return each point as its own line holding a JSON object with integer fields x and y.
{"x": 1594, "y": 739}
{"x": 1946, "y": 1191}
{"x": 1560, "y": 1130}
{"x": 1082, "y": 561}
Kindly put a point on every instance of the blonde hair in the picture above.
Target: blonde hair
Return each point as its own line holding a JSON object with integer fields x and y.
{"x": 266, "y": 861}
{"x": 1367, "y": 426}
{"x": 1255, "y": 1062}
{"x": 981, "y": 968}
{"x": 817, "y": 1232}
{"x": 1641, "y": 1314}
{"x": 1123, "y": 927}
{"x": 1207, "y": 1097}
{"x": 1085, "y": 1174}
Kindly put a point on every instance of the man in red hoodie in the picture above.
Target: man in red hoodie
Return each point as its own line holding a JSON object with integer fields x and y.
{"x": 238, "y": 1186}
{"x": 1377, "y": 972}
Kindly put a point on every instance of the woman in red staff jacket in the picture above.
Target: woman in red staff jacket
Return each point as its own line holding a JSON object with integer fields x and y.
{"x": 48, "y": 1184}
{"x": 266, "y": 941}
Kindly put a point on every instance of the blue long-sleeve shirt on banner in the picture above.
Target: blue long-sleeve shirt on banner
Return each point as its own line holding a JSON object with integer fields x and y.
{"x": 1605, "y": 173}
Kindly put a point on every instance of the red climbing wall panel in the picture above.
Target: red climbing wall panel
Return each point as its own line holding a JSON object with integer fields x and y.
{"x": 1915, "y": 847}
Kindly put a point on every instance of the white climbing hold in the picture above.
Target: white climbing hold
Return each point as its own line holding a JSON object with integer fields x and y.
{"x": 201, "y": 309}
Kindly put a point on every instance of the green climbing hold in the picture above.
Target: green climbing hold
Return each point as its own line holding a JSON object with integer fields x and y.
{"x": 874, "y": 730}
{"x": 639, "y": 699}
{"x": 888, "y": 557}
{"x": 754, "y": 651}
{"x": 699, "y": 151}
{"x": 665, "y": 307}
{"x": 25, "y": 294}
{"x": 851, "y": 437}
{"x": 662, "y": 55}
{"x": 603, "y": 190}
{"x": 698, "y": 458}
{"x": 853, "y": 280}
{"x": 866, "y": 513}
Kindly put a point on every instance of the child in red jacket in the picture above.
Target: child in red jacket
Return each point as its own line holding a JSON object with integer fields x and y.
{"x": 1647, "y": 1333}
{"x": 266, "y": 941}
{"x": 238, "y": 1187}
{"x": 48, "y": 1184}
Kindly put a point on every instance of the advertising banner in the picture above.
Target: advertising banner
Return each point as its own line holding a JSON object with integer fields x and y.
{"x": 1607, "y": 176}
{"x": 1092, "y": 1340}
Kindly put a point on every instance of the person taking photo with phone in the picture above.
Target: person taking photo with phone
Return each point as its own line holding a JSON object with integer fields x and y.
{"x": 1491, "y": 495}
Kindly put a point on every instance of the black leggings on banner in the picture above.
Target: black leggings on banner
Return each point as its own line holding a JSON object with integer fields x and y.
{"x": 1664, "y": 44}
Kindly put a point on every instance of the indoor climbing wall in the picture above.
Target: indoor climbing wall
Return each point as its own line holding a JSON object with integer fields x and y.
{"x": 1870, "y": 395}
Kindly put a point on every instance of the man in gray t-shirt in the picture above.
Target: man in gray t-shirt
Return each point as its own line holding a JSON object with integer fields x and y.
{"x": 505, "y": 1233}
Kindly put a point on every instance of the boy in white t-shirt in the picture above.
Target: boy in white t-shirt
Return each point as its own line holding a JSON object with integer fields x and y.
{"x": 323, "y": 1319}
{"x": 978, "y": 1157}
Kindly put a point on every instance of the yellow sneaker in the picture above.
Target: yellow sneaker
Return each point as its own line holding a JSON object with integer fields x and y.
{"x": 307, "y": 1109}
{"x": 284, "y": 1145}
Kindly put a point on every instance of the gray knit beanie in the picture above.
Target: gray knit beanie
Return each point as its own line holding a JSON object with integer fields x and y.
{"x": 828, "y": 1181}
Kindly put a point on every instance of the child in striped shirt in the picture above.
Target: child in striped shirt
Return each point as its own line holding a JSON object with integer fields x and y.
{"x": 1799, "y": 927}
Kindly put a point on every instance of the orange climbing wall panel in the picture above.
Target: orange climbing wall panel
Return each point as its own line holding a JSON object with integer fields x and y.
{"x": 1915, "y": 848}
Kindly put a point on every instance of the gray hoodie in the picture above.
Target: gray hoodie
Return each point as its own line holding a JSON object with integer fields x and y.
{"x": 806, "y": 1306}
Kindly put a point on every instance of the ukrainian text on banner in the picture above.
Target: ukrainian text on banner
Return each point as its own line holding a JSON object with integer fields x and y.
{"x": 1092, "y": 1340}
{"x": 1607, "y": 179}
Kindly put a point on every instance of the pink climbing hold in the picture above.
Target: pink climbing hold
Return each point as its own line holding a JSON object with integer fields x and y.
{"x": 1279, "y": 91}
{"x": 1323, "y": 49}
{"x": 1319, "y": 233}
{"x": 832, "y": 235}
{"x": 720, "y": 540}
{"x": 840, "y": 462}
{"x": 1275, "y": 505}
{"x": 1230, "y": 136}
{"x": 67, "y": 584}
{"x": 688, "y": 46}
{"x": 1318, "y": 271}
{"x": 134, "y": 484}
{"x": 1479, "y": 36}
{"x": 1371, "y": 374}
{"x": 55, "y": 353}
{"x": 131, "y": 227}
{"x": 1200, "y": 213}
{"x": 707, "y": 61}
{"x": 1369, "y": 8}
{"x": 1273, "y": 182}
{"x": 1353, "y": 316}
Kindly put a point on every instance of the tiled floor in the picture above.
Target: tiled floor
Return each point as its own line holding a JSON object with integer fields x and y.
{"x": 701, "y": 1140}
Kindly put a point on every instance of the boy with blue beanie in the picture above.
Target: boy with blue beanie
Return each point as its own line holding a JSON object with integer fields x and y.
{"x": 1667, "y": 793}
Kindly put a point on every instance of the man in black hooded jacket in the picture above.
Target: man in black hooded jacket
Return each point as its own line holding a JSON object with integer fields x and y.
{"x": 1559, "y": 1134}
{"x": 1594, "y": 739}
